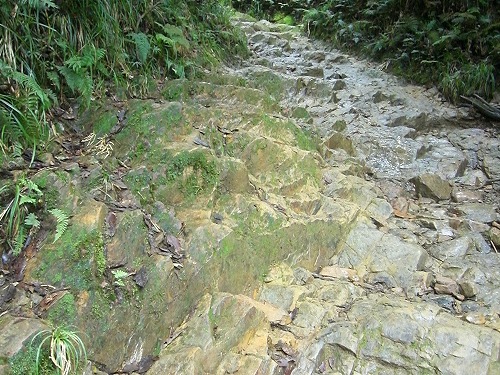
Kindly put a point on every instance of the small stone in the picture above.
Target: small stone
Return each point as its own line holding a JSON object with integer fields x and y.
{"x": 447, "y": 302}
{"x": 47, "y": 158}
{"x": 92, "y": 216}
{"x": 217, "y": 218}
{"x": 318, "y": 56}
{"x": 7, "y": 293}
{"x": 469, "y": 306}
{"x": 480, "y": 212}
{"x": 476, "y": 318}
{"x": 14, "y": 331}
{"x": 379, "y": 96}
{"x": 455, "y": 223}
{"x": 339, "y": 85}
{"x": 380, "y": 210}
{"x": 494, "y": 235}
{"x": 447, "y": 231}
{"x": 432, "y": 186}
{"x": 339, "y": 126}
{"x": 427, "y": 223}
{"x": 456, "y": 248}
{"x": 381, "y": 280}
{"x": 36, "y": 298}
{"x": 334, "y": 75}
{"x": 468, "y": 289}
{"x": 478, "y": 227}
{"x": 423, "y": 280}
{"x": 302, "y": 276}
{"x": 141, "y": 277}
{"x": 340, "y": 273}
{"x": 460, "y": 195}
{"x": 445, "y": 285}
{"x": 314, "y": 72}
{"x": 340, "y": 59}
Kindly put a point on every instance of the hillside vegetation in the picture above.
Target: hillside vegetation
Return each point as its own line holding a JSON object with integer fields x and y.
{"x": 52, "y": 50}
{"x": 453, "y": 44}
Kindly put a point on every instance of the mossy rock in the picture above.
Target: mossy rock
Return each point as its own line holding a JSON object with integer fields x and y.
{"x": 278, "y": 166}
{"x": 286, "y": 131}
{"x": 234, "y": 177}
{"x": 60, "y": 190}
{"x": 269, "y": 82}
{"x": 150, "y": 128}
{"x": 188, "y": 175}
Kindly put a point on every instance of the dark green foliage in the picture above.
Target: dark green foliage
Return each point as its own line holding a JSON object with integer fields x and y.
{"x": 192, "y": 172}
{"x": 455, "y": 44}
{"x": 24, "y": 362}
{"x": 76, "y": 48}
{"x": 63, "y": 311}
{"x": 18, "y": 202}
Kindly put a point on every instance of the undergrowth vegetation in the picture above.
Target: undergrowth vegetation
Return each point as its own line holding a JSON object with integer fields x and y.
{"x": 18, "y": 219}
{"x": 453, "y": 44}
{"x": 52, "y": 50}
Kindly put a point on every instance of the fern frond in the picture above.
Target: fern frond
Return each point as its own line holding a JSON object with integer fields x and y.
{"x": 78, "y": 82}
{"x": 176, "y": 34}
{"x": 31, "y": 186}
{"x": 19, "y": 241}
{"x": 62, "y": 222}
{"x": 100, "y": 53}
{"x": 42, "y": 4}
{"x": 32, "y": 221}
{"x": 54, "y": 79}
{"x": 142, "y": 46}
{"x": 30, "y": 84}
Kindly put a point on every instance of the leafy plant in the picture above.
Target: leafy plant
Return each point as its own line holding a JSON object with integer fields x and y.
{"x": 119, "y": 276}
{"x": 192, "y": 172}
{"x": 24, "y": 362}
{"x": 62, "y": 222}
{"x": 16, "y": 217}
{"x": 468, "y": 80}
{"x": 453, "y": 43}
{"x": 79, "y": 71}
{"x": 142, "y": 46}
{"x": 22, "y": 115}
{"x": 66, "y": 349}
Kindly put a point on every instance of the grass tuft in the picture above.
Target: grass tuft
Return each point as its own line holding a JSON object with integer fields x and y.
{"x": 65, "y": 346}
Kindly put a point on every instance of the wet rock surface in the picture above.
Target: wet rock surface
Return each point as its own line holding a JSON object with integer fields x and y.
{"x": 411, "y": 288}
{"x": 303, "y": 212}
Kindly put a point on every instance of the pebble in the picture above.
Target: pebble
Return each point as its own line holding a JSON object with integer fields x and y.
{"x": 476, "y": 318}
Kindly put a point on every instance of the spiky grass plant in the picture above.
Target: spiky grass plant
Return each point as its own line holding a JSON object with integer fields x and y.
{"x": 13, "y": 217}
{"x": 66, "y": 349}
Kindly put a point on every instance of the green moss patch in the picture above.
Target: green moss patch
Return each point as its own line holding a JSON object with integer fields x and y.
{"x": 63, "y": 312}
{"x": 286, "y": 131}
{"x": 24, "y": 362}
{"x": 104, "y": 123}
{"x": 72, "y": 260}
{"x": 268, "y": 81}
{"x": 246, "y": 254}
{"x": 192, "y": 172}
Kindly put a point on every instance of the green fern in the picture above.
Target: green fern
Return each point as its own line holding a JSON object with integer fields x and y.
{"x": 142, "y": 46}
{"x": 62, "y": 222}
{"x": 78, "y": 71}
{"x": 41, "y": 4}
{"x": 32, "y": 221}
{"x": 18, "y": 243}
{"x": 78, "y": 82}
{"x": 31, "y": 85}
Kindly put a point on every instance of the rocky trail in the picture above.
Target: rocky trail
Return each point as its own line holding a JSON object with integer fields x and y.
{"x": 301, "y": 212}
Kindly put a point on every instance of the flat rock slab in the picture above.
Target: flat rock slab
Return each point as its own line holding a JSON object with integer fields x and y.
{"x": 14, "y": 331}
{"x": 369, "y": 250}
{"x": 397, "y": 337}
